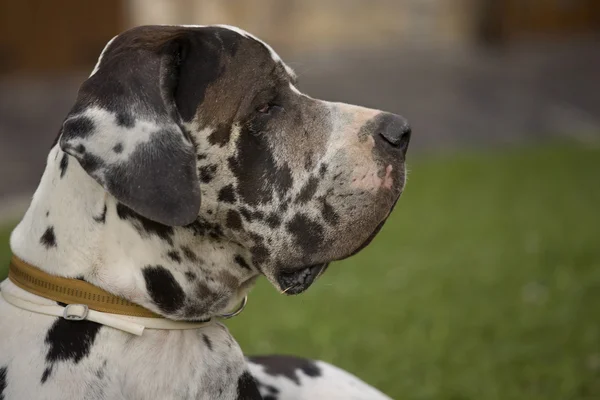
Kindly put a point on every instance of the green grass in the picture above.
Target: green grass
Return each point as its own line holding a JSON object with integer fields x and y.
{"x": 484, "y": 284}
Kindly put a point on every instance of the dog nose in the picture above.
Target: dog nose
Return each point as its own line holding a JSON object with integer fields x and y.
{"x": 396, "y": 131}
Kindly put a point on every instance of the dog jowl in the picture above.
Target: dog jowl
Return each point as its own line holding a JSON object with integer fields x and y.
{"x": 202, "y": 138}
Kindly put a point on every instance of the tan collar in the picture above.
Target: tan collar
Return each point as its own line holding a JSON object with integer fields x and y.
{"x": 79, "y": 300}
{"x": 72, "y": 291}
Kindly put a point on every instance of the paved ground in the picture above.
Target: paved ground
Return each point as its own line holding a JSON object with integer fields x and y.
{"x": 452, "y": 98}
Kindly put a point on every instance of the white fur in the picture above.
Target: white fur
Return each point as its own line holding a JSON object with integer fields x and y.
{"x": 97, "y": 66}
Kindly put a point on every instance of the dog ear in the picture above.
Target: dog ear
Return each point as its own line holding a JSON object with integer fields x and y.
{"x": 126, "y": 132}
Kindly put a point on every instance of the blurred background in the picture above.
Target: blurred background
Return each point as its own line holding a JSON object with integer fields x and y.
{"x": 485, "y": 282}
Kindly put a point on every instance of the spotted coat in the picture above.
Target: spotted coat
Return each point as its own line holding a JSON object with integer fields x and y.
{"x": 189, "y": 166}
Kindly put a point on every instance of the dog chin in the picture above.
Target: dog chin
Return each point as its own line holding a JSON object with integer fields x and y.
{"x": 296, "y": 281}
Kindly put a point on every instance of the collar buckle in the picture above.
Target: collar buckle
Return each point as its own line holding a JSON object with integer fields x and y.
{"x": 75, "y": 312}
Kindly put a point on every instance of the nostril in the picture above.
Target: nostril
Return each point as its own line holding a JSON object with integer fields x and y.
{"x": 405, "y": 137}
{"x": 397, "y": 132}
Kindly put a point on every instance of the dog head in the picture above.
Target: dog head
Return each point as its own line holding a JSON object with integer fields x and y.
{"x": 203, "y": 128}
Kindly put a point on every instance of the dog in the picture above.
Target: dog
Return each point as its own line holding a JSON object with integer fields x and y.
{"x": 189, "y": 166}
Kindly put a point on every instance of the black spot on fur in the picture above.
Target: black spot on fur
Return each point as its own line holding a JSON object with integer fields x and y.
{"x": 201, "y": 157}
{"x": 69, "y": 341}
{"x": 46, "y": 374}
{"x": 174, "y": 255}
{"x": 284, "y": 206}
{"x": 118, "y": 148}
{"x": 239, "y": 260}
{"x": 252, "y": 215}
{"x": 125, "y": 120}
{"x": 247, "y": 214}
{"x": 234, "y": 221}
{"x": 283, "y": 180}
{"x": 259, "y": 254}
{"x": 329, "y": 213}
{"x": 258, "y": 175}
{"x": 207, "y": 341}
{"x": 207, "y": 172}
{"x": 48, "y": 239}
{"x": 273, "y": 220}
{"x": 78, "y": 127}
{"x": 220, "y": 136}
{"x": 190, "y": 276}
{"x": 102, "y": 217}
{"x": 308, "y": 234}
{"x": 202, "y": 227}
{"x": 163, "y": 288}
{"x": 47, "y": 213}
{"x": 322, "y": 170}
{"x": 80, "y": 148}
{"x": 64, "y": 163}
{"x": 227, "y": 194}
{"x": 189, "y": 254}
{"x": 90, "y": 162}
{"x": 308, "y": 191}
{"x": 145, "y": 225}
{"x": 246, "y": 388}
{"x": 287, "y": 366}
{"x": 3, "y": 373}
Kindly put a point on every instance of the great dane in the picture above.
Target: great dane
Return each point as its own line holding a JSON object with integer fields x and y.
{"x": 190, "y": 165}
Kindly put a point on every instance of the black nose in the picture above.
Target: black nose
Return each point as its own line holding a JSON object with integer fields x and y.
{"x": 395, "y": 130}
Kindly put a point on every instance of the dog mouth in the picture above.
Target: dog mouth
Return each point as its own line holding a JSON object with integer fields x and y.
{"x": 297, "y": 281}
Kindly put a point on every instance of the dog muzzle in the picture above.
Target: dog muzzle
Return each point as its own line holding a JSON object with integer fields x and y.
{"x": 78, "y": 300}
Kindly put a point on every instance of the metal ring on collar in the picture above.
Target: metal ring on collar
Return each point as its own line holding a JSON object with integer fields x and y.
{"x": 237, "y": 311}
{"x": 76, "y": 312}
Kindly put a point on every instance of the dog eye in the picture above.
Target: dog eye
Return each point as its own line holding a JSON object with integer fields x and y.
{"x": 268, "y": 109}
{"x": 265, "y": 108}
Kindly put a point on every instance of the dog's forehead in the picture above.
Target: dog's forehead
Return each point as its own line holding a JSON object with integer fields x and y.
{"x": 149, "y": 30}
{"x": 272, "y": 52}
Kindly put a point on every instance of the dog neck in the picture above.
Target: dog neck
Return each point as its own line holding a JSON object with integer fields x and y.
{"x": 74, "y": 228}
